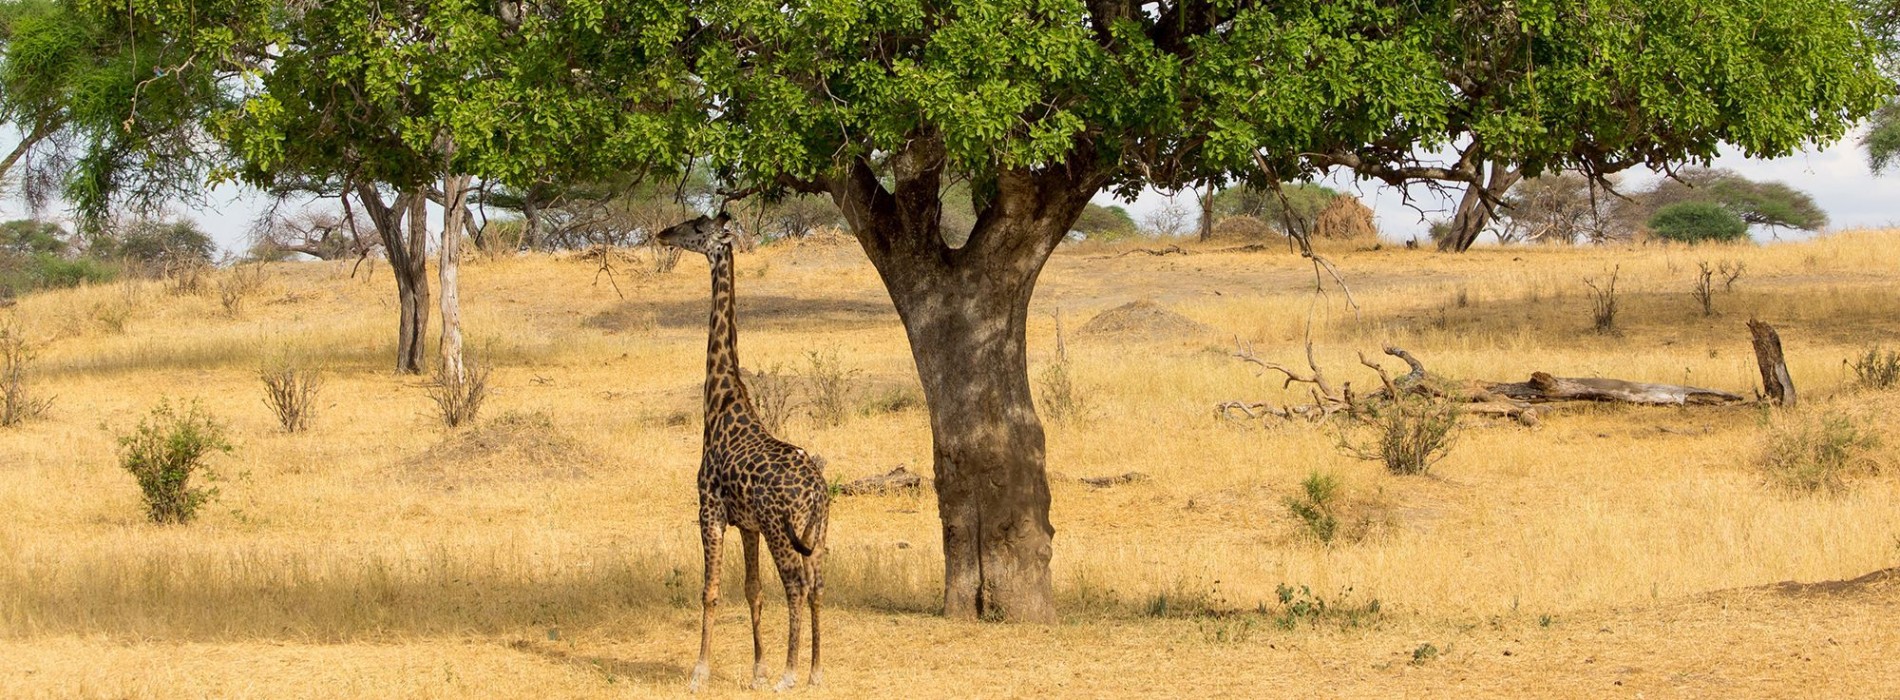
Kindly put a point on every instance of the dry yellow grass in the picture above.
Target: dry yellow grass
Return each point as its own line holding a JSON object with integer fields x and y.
{"x": 1593, "y": 548}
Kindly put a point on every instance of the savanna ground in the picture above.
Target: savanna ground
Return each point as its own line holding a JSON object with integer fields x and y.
{"x": 551, "y": 551}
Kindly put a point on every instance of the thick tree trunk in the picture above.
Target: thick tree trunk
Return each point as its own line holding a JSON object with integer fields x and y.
{"x": 968, "y": 337}
{"x": 1207, "y": 214}
{"x": 455, "y": 188}
{"x": 1473, "y": 213}
{"x": 966, "y": 311}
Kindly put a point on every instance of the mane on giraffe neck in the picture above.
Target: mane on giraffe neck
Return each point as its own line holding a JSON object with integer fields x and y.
{"x": 725, "y": 391}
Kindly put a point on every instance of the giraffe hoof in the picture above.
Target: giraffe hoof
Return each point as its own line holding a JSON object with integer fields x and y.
{"x": 785, "y": 683}
{"x": 761, "y": 678}
{"x": 700, "y": 673}
{"x": 816, "y": 680}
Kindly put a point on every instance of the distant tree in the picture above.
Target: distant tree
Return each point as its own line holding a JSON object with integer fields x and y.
{"x": 1169, "y": 220}
{"x": 1304, "y": 200}
{"x": 1105, "y": 223}
{"x": 1770, "y": 204}
{"x": 151, "y": 243}
{"x": 33, "y": 237}
{"x": 1559, "y": 208}
{"x": 319, "y": 233}
{"x": 1696, "y": 222}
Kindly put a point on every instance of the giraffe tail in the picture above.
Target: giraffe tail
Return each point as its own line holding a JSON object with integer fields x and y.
{"x": 802, "y": 541}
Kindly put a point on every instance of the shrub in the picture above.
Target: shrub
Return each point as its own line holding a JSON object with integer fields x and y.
{"x": 166, "y": 450}
{"x": 1603, "y": 302}
{"x": 458, "y": 400}
{"x": 17, "y": 404}
{"x": 771, "y": 393}
{"x": 1818, "y": 453}
{"x": 1694, "y": 222}
{"x": 1064, "y": 400}
{"x": 237, "y": 284}
{"x": 291, "y": 393}
{"x": 828, "y": 388}
{"x": 1315, "y": 506}
{"x": 1875, "y": 369}
{"x": 1408, "y": 435}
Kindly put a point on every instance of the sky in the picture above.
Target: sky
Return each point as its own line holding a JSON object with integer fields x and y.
{"x": 1836, "y": 176}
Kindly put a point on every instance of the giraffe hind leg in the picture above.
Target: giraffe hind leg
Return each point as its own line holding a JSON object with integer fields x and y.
{"x": 755, "y": 599}
{"x": 791, "y": 571}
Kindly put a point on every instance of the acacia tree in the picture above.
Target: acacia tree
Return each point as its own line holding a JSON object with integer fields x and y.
{"x": 1040, "y": 104}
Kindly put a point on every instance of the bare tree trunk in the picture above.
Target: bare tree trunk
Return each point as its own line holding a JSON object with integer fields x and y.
{"x": 1474, "y": 214}
{"x": 1775, "y": 381}
{"x": 966, "y": 312}
{"x": 455, "y": 189}
{"x": 531, "y": 220}
{"x": 412, "y": 273}
{"x": 1207, "y": 214}
{"x": 412, "y": 286}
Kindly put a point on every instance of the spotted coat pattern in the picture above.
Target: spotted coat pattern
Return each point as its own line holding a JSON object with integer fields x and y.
{"x": 767, "y": 488}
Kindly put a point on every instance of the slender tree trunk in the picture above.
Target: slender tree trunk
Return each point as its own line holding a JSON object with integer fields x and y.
{"x": 412, "y": 285}
{"x": 531, "y": 220}
{"x": 405, "y": 264}
{"x": 1207, "y": 214}
{"x": 454, "y": 188}
{"x": 1473, "y": 213}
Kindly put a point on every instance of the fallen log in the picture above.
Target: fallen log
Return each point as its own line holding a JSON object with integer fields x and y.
{"x": 1543, "y": 387}
{"x": 899, "y": 479}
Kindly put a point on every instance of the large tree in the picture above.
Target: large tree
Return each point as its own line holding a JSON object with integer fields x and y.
{"x": 1040, "y": 104}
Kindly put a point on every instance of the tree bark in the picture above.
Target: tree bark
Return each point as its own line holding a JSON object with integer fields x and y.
{"x": 455, "y": 189}
{"x": 966, "y": 313}
{"x": 1474, "y": 214}
{"x": 406, "y": 263}
{"x": 1775, "y": 381}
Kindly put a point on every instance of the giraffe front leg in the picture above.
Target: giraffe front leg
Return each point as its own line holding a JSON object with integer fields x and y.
{"x": 755, "y": 599}
{"x": 711, "y": 535}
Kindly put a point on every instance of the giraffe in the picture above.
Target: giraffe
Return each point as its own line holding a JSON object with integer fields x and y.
{"x": 751, "y": 480}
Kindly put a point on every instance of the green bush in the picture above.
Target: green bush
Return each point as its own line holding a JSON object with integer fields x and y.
{"x": 1817, "y": 453}
{"x": 1408, "y": 435}
{"x": 22, "y": 272}
{"x": 1316, "y": 504}
{"x": 1694, "y": 222}
{"x": 165, "y": 452}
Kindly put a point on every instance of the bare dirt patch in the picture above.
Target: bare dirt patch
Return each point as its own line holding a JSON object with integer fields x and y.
{"x": 1142, "y": 319}
{"x": 511, "y": 447}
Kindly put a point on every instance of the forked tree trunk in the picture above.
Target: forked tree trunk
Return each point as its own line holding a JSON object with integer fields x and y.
{"x": 412, "y": 285}
{"x": 455, "y": 189}
{"x": 407, "y": 265}
{"x": 966, "y": 311}
{"x": 1473, "y": 213}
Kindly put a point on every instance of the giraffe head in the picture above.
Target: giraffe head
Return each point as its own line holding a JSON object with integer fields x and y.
{"x": 702, "y": 234}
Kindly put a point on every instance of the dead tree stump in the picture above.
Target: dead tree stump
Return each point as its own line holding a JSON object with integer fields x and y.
{"x": 1775, "y": 382}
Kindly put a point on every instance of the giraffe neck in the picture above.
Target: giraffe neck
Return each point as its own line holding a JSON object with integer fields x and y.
{"x": 725, "y": 392}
